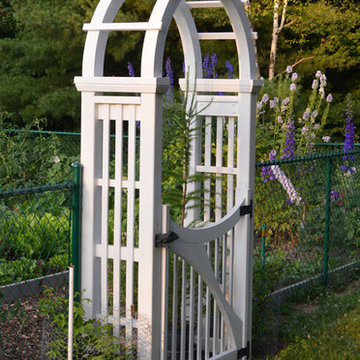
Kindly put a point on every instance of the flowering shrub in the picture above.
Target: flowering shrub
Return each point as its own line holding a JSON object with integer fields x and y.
{"x": 281, "y": 125}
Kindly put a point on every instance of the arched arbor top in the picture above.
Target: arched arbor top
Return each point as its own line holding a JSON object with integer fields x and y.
{"x": 156, "y": 29}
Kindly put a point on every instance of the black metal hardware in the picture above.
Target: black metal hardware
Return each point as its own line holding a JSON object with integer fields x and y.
{"x": 162, "y": 240}
{"x": 244, "y": 351}
{"x": 247, "y": 209}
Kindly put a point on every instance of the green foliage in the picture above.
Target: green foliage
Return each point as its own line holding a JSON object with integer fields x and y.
{"x": 180, "y": 129}
{"x": 26, "y": 159}
{"x": 331, "y": 332}
{"x": 92, "y": 339}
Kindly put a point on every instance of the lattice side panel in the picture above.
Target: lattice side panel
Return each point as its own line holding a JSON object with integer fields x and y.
{"x": 118, "y": 246}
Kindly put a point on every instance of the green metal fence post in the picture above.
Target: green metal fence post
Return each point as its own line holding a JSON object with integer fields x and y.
{"x": 76, "y": 223}
{"x": 327, "y": 220}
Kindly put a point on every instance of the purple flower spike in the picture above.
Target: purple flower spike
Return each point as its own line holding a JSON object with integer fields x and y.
{"x": 206, "y": 65}
{"x": 289, "y": 149}
{"x": 131, "y": 69}
{"x": 230, "y": 69}
{"x": 169, "y": 72}
{"x": 213, "y": 61}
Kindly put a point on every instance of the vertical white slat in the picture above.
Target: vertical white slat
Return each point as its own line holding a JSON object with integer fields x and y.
{"x": 117, "y": 218}
{"x": 105, "y": 211}
{"x": 219, "y": 163}
{"x": 230, "y": 164}
{"x": 230, "y": 203}
{"x": 215, "y": 321}
{"x": 183, "y": 310}
{"x": 165, "y": 286}
{"x": 199, "y": 332}
{"x": 218, "y": 215}
{"x": 174, "y": 309}
{"x": 207, "y": 162}
{"x": 207, "y": 314}
{"x": 130, "y": 228}
{"x": 231, "y": 269}
{"x": 191, "y": 314}
{"x": 224, "y": 285}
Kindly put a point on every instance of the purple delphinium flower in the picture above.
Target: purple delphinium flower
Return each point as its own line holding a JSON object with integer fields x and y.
{"x": 266, "y": 172}
{"x": 230, "y": 69}
{"x": 289, "y": 69}
{"x": 169, "y": 72}
{"x": 131, "y": 69}
{"x": 292, "y": 87}
{"x": 289, "y": 149}
{"x": 206, "y": 65}
{"x": 334, "y": 195}
{"x": 349, "y": 134}
{"x": 329, "y": 98}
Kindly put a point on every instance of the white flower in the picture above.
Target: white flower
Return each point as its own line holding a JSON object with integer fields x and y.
{"x": 265, "y": 98}
{"x": 56, "y": 159}
{"x": 318, "y": 74}
{"x": 286, "y": 184}
{"x": 326, "y": 138}
{"x": 322, "y": 92}
{"x": 306, "y": 114}
{"x": 292, "y": 87}
{"x": 285, "y": 101}
{"x": 329, "y": 98}
{"x": 314, "y": 114}
{"x": 280, "y": 120}
{"x": 294, "y": 76}
{"x": 314, "y": 84}
{"x": 289, "y": 69}
{"x": 276, "y": 99}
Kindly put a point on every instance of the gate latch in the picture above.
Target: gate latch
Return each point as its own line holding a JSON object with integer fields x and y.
{"x": 162, "y": 240}
{"x": 246, "y": 209}
{"x": 244, "y": 352}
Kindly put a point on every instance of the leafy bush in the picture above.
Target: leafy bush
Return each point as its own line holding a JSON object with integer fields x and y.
{"x": 92, "y": 339}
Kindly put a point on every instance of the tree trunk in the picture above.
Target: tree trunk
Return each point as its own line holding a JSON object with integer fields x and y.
{"x": 275, "y": 34}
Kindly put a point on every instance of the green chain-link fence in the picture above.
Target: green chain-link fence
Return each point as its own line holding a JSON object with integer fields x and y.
{"x": 307, "y": 234}
{"x": 36, "y": 227}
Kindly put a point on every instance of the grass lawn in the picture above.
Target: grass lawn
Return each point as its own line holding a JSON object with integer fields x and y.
{"x": 326, "y": 328}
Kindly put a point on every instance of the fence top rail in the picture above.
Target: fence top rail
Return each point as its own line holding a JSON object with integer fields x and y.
{"x": 42, "y": 132}
{"x": 334, "y": 144}
{"x": 35, "y": 189}
{"x": 49, "y": 132}
{"x": 326, "y": 155}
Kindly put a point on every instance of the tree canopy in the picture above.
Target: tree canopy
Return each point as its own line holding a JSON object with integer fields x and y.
{"x": 41, "y": 45}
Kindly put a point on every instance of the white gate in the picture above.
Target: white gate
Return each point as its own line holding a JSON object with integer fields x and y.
{"x": 125, "y": 272}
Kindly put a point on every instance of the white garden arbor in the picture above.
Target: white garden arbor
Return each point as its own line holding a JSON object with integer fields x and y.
{"x": 178, "y": 293}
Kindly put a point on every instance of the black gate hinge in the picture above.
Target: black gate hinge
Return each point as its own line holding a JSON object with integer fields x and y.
{"x": 246, "y": 209}
{"x": 162, "y": 240}
{"x": 244, "y": 352}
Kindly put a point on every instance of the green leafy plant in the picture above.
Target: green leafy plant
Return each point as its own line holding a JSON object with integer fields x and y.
{"x": 92, "y": 339}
